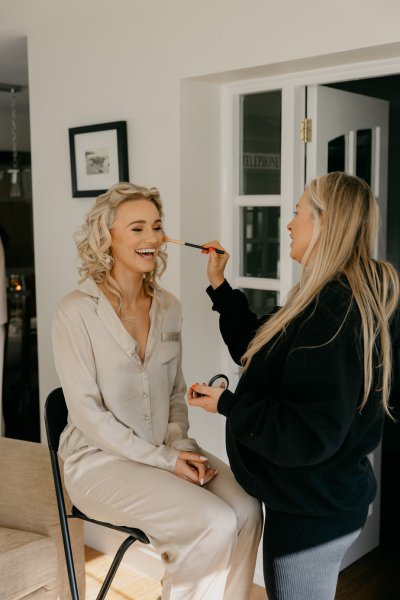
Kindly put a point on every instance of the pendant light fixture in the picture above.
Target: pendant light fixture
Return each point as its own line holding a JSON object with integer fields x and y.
{"x": 15, "y": 171}
{"x": 15, "y": 188}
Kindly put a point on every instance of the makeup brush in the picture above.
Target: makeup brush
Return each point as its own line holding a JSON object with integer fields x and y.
{"x": 168, "y": 239}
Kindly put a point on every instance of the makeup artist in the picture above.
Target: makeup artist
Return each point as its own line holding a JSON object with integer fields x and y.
{"x": 319, "y": 375}
{"x": 127, "y": 456}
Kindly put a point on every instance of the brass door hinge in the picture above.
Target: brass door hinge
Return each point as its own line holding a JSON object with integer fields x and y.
{"x": 306, "y": 130}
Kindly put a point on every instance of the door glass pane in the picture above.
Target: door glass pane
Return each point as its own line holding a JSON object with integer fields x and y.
{"x": 336, "y": 154}
{"x": 364, "y": 154}
{"x": 260, "y": 241}
{"x": 261, "y": 301}
{"x": 260, "y": 171}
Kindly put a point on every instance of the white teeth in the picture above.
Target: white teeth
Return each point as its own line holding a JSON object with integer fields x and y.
{"x": 146, "y": 250}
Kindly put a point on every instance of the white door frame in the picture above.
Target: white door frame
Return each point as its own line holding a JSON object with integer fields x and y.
{"x": 292, "y": 162}
{"x": 292, "y": 152}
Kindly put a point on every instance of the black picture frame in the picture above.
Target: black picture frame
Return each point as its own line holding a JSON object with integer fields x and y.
{"x": 99, "y": 157}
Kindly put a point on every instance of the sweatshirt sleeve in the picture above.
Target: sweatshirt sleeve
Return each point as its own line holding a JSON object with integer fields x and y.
{"x": 308, "y": 419}
{"x": 238, "y": 324}
{"x": 394, "y": 401}
{"x": 76, "y": 369}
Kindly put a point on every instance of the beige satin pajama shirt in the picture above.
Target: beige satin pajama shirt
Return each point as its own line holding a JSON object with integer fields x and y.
{"x": 127, "y": 422}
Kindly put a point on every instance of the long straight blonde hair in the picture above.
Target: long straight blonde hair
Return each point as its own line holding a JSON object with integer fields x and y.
{"x": 345, "y": 216}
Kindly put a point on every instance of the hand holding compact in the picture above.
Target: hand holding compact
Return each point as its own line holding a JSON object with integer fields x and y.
{"x": 206, "y": 396}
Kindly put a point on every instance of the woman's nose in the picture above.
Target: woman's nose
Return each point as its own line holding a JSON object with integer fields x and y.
{"x": 151, "y": 236}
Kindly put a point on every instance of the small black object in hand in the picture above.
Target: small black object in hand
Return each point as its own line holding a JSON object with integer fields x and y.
{"x": 214, "y": 379}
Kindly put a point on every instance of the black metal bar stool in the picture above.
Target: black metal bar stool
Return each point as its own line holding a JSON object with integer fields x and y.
{"x": 56, "y": 415}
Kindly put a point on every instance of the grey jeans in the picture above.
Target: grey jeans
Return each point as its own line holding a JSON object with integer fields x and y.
{"x": 302, "y": 556}
{"x": 310, "y": 574}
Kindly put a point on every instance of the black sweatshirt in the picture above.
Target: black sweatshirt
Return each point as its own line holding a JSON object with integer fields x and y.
{"x": 295, "y": 437}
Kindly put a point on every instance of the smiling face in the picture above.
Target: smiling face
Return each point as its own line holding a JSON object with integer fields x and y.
{"x": 301, "y": 228}
{"x": 136, "y": 236}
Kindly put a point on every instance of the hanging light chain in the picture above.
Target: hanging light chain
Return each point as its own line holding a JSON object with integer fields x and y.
{"x": 15, "y": 189}
{"x": 14, "y": 129}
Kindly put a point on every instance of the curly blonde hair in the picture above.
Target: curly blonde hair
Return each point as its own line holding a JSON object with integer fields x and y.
{"x": 93, "y": 239}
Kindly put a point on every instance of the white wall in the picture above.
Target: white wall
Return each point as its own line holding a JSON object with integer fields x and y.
{"x": 130, "y": 65}
{"x": 200, "y": 222}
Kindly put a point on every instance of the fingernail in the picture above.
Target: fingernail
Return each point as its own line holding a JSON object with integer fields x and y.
{"x": 203, "y": 457}
{"x": 201, "y": 481}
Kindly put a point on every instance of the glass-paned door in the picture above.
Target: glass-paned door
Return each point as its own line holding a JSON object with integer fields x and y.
{"x": 260, "y": 229}
{"x": 259, "y": 198}
{"x": 261, "y": 144}
{"x": 338, "y": 154}
{"x": 261, "y": 301}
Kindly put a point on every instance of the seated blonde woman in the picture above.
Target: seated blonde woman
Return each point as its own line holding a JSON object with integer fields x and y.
{"x": 127, "y": 456}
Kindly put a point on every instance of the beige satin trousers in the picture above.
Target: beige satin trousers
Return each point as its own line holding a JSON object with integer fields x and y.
{"x": 207, "y": 537}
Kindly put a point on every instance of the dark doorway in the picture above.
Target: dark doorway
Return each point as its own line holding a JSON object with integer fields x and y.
{"x": 20, "y": 371}
{"x": 388, "y": 88}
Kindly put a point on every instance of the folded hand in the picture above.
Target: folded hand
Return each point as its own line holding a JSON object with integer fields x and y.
{"x": 193, "y": 467}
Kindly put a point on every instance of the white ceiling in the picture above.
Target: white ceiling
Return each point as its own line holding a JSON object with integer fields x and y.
{"x": 19, "y": 18}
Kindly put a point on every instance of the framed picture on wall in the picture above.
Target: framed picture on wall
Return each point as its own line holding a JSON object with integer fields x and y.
{"x": 99, "y": 157}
